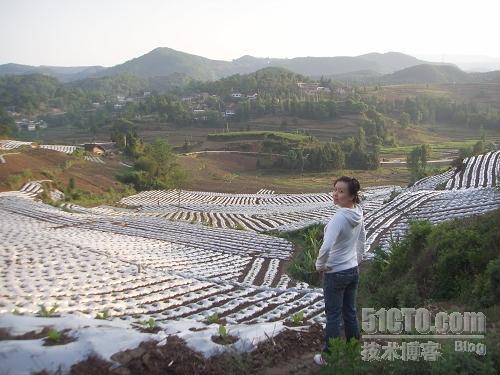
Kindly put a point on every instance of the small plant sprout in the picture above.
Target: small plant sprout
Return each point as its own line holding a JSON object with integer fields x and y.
{"x": 214, "y": 318}
{"x": 222, "y": 331}
{"x": 149, "y": 324}
{"x": 223, "y": 337}
{"x": 54, "y": 335}
{"x": 103, "y": 315}
{"x": 298, "y": 317}
{"x": 46, "y": 313}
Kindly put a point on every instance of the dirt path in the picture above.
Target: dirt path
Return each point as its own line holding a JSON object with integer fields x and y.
{"x": 2, "y": 159}
{"x": 302, "y": 364}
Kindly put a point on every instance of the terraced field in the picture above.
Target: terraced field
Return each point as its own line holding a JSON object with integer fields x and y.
{"x": 190, "y": 254}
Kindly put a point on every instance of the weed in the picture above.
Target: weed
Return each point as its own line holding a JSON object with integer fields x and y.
{"x": 17, "y": 312}
{"x": 298, "y": 317}
{"x": 222, "y": 331}
{"x": 149, "y": 324}
{"x": 54, "y": 335}
{"x": 103, "y": 315}
{"x": 238, "y": 226}
{"x": 47, "y": 313}
{"x": 214, "y": 318}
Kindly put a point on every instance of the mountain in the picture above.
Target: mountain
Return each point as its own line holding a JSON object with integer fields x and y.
{"x": 162, "y": 62}
{"x": 425, "y": 73}
{"x": 361, "y": 76}
{"x": 173, "y": 67}
{"x": 493, "y": 76}
{"x": 379, "y": 63}
{"x": 62, "y": 73}
{"x": 391, "y": 61}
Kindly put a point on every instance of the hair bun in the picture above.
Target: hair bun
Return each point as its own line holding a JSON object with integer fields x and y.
{"x": 356, "y": 184}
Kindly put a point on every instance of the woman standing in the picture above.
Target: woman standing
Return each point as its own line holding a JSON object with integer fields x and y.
{"x": 339, "y": 256}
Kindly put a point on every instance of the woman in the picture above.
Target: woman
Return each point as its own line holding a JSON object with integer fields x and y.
{"x": 339, "y": 256}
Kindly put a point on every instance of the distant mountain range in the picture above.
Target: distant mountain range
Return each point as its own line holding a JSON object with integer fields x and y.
{"x": 391, "y": 67}
{"x": 62, "y": 73}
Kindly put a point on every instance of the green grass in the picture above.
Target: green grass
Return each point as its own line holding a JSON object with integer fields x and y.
{"x": 303, "y": 265}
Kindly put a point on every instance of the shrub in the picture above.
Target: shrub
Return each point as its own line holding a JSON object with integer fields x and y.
{"x": 303, "y": 266}
{"x": 455, "y": 260}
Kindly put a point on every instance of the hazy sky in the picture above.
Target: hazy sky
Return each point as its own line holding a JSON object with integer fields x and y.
{"x": 109, "y": 32}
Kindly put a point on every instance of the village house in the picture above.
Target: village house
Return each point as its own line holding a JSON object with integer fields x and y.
{"x": 228, "y": 113}
{"x": 323, "y": 89}
{"x": 199, "y": 114}
{"x": 308, "y": 86}
{"x": 30, "y": 125}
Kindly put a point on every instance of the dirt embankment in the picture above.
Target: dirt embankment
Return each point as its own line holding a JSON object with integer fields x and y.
{"x": 40, "y": 164}
{"x": 288, "y": 352}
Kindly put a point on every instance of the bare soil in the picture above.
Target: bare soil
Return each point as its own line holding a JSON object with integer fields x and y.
{"x": 288, "y": 352}
{"x": 224, "y": 340}
{"x": 32, "y": 335}
{"x": 89, "y": 176}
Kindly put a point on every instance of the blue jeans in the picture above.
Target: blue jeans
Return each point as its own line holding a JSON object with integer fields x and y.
{"x": 340, "y": 300}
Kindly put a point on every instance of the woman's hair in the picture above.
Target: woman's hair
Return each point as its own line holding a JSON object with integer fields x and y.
{"x": 353, "y": 186}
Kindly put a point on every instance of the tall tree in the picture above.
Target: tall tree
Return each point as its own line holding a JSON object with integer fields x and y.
{"x": 416, "y": 161}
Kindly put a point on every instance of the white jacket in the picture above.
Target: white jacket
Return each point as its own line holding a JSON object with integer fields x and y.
{"x": 344, "y": 241}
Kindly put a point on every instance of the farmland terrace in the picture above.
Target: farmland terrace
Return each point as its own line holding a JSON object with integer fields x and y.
{"x": 182, "y": 256}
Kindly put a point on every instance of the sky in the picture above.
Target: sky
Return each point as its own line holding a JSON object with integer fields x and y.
{"x": 110, "y": 32}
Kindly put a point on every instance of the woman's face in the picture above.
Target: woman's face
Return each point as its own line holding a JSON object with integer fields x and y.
{"x": 341, "y": 195}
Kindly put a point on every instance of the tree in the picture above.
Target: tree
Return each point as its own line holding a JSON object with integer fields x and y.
{"x": 360, "y": 140}
{"x": 416, "y": 161}
{"x": 124, "y": 133}
{"x": 404, "y": 120}
{"x": 158, "y": 168}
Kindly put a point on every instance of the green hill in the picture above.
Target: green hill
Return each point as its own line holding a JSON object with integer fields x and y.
{"x": 167, "y": 61}
{"x": 28, "y": 92}
{"x": 425, "y": 73}
{"x": 163, "y": 61}
{"x": 62, "y": 73}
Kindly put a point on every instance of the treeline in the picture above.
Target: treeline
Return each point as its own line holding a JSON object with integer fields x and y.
{"x": 277, "y": 94}
{"x": 154, "y": 165}
{"x": 353, "y": 153}
{"x": 32, "y": 93}
{"x": 7, "y": 124}
{"x": 276, "y": 82}
{"x": 433, "y": 109}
